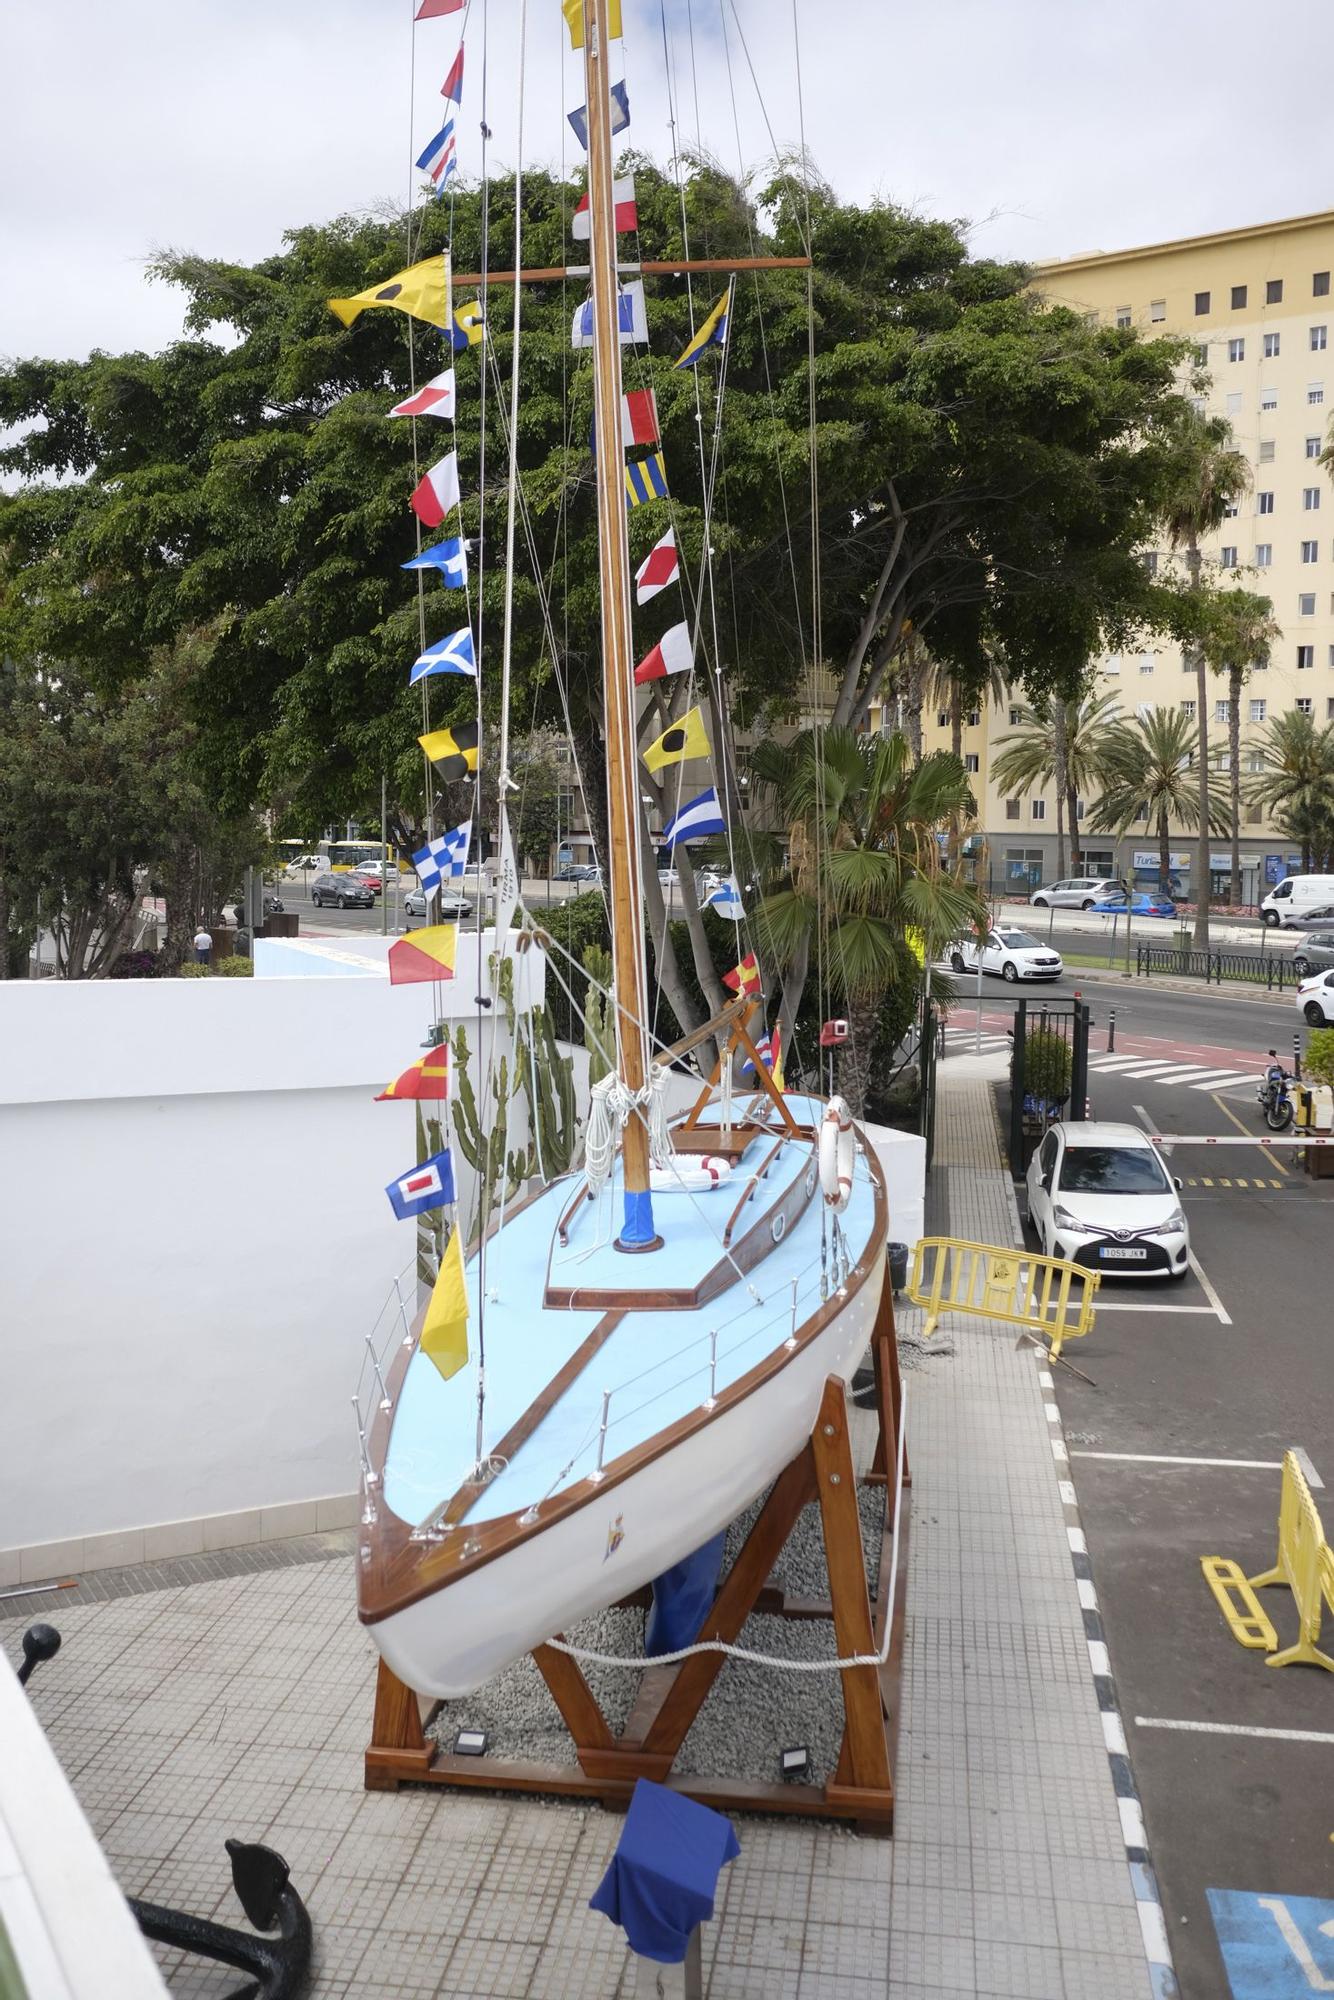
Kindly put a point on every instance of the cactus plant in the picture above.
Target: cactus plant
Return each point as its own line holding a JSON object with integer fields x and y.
{"x": 599, "y": 1039}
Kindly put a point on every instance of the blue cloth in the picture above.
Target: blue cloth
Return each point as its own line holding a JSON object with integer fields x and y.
{"x": 665, "y": 1870}
{"x": 682, "y": 1596}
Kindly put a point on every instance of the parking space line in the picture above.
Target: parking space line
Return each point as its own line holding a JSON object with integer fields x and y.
{"x": 1236, "y": 1729}
{"x": 1162, "y": 1458}
{"x": 1151, "y": 1306}
{"x": 1206, "y": 1286}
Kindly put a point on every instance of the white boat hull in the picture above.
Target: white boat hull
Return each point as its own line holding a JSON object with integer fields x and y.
{"x": 449, "y": 1643}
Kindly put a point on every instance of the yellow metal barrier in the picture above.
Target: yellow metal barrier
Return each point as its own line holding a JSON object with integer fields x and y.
{"x": 1304, "y": 1565}
{"x": 1045, "y": 1294}
{"x": 1246, "y": 1616}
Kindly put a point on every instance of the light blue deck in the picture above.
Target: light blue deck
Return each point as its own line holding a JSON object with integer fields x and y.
{"x": 656, "y": 1363}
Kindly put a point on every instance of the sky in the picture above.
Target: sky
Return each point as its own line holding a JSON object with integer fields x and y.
{"x": 1048, "y": 126}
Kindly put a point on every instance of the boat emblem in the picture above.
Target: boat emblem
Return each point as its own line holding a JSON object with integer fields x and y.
{"x": 615, "y": 1536}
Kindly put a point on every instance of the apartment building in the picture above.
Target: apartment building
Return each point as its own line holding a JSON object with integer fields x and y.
{"x": 1258, "y": 307}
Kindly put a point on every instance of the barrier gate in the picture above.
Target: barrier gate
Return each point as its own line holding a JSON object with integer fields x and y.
{"x": 1044, "y": 1294}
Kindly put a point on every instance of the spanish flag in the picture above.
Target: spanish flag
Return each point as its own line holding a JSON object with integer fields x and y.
{"x": 427, "y": 954}
{"x": 444, "y": 1338}
{"x": 684, "y": 739}
{"x": 428, "y": 1077}
{"x": 711, "y": 332}
{"x": 422, "y": 290}
{"x": 453, "y": 751}
{"x": 573, "y": 10}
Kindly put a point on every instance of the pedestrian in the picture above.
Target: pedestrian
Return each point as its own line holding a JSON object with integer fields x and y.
{"x": 203, "y": 946}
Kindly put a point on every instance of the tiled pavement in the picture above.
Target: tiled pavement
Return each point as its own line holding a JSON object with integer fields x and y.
{"x": 240, "y": 1705}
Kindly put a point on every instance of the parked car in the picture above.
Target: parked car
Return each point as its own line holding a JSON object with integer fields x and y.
{"x": 343, "y": 892}
{"x": 366, "y": 879}
{"x": 1294, "y": 902}
{"x": 453, "y": 907}
{"x": 1314, "y": 954}
{"x": 1144, "y": 903}
{"x": 668, "y": 878}
{"x": 1100, "y": 1195}
{"x": 1074, "y": 892}
{"x": 1013, "y": 955}
{"x": 588, "y": 873}
{"x": 1315, "y": 999}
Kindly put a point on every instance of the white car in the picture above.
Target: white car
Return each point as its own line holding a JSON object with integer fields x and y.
{"x": 1099, "y": 1195}
{"x": 1075, "y": 892}
{"x": 1315, "y": 999}
{"x": 1014, "y": 955}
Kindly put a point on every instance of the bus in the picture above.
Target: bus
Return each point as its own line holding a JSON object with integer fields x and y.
{"x": 333, "y": 856}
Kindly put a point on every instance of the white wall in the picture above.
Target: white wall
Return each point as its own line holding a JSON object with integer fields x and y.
{"x": 194, "y": 1240}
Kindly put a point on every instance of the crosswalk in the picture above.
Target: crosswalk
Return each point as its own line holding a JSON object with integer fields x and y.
{"x": 1189, "y": 1076}
{"x": 964, "y": 1042}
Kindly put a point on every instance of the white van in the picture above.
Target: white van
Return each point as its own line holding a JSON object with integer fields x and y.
{"x": 1299, "y": 901}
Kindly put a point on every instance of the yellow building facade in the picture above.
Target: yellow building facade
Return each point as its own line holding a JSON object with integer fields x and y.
{"x": 1258, "y": 307}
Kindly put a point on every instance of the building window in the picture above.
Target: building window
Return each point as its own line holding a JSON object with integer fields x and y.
{"x": 1146, "y": 663}
{"x": 1012, "y": 809}
{"x": 1310, "y": 499}
{"x": 1329, "y": 708}
{"x": 1236, "y": 349}
{"x": 1264, "y": 554}
{"x": 1271, "y": 346}
{"x": 1039, "y": 808}
{"x": 1266, "y": 451}
{"x": 1222, "y": 711}
{"x": 1305, "y": 658}
{"x": 1313, "y": 447}
{"x": 1113, "y": 665}
{"x": 1254, "y": 816}
{"x": 1319, "y": 339}
{"x": 1310, "y": 552}
{"x": 1274, "y": 291}
{"x": 974, "y": 717}
{"x": 1188, "y": 710}
{"x": 941, "y": 719}
{"x": 1202, "y": 355}
{"x": 1231, "y": 508}
{"x": 1123, "y": 316}
{"x": 1303, "y": 704}
{"x": 1315, "y": 393}
{"x": 1238, "y": 297}
{"x": 1016, "y": 716}
{"x": 1331, "y": 656}
{"x": 970, "y": 761}
{"x": 1264, "y": 503}
{"x": 1255, "y": 760}
{"x": 1223, "y": 761}
{"x": 1079, "y": 808}
{"x": 1306, "y": 609}
{"x": 1257, "y": 711}
{"x": 1197, "y": 404}
{"x": 1234, "y": 403}
{"x": 1269, "y": 399}
{"x": 1201, "y": 302}
{"x": 1141, "y": 812}
{"x": 1157, "y": 309}
{"x": 1227, "y": 558}
{"x": 1151, "y": 562}
{"x": 1320, "y": 284}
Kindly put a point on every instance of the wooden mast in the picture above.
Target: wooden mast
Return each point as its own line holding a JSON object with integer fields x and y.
{"x": 623, "y": 808}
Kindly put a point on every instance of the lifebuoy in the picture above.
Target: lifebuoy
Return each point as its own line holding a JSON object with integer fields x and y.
{"x": 838, "y": 1153}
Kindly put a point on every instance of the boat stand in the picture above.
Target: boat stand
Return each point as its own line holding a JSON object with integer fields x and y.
{"x": 670, "y": 1697}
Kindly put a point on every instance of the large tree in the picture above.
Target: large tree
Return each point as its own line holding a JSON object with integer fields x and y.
{"x": 1146, "y": 774}
{"x": 1062, "y": 744}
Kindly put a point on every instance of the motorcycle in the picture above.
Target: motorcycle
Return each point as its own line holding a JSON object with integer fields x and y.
{"x": 1272, "y": 1095}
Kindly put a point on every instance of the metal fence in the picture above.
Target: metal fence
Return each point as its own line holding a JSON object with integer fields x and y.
{"x": 1049, "y": 1071}
{"x": 1261, "y": 968}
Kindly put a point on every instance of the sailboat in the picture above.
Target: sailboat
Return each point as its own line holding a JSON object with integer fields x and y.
{"x": 658, "y": 1334}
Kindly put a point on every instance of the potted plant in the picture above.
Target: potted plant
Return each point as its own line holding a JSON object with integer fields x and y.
{"x": 1047, "y": 1068}
{"x": 1319, "y": 1067}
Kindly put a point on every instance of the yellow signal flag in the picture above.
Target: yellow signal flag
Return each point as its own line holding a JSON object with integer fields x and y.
{"x": 426, "y": 954}
{"x": 684, "y": 739}
{"x": 421, "y": 291}
{"x": 573, "y": 10}
{"x": 444, "y": 1339}
{"x": 453, "y": 751}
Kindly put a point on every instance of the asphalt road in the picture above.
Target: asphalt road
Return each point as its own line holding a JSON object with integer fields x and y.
{"x": 1231, "y": 1366}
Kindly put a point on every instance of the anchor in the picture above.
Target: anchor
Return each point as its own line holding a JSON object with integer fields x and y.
{"x": 281, "y": 1965}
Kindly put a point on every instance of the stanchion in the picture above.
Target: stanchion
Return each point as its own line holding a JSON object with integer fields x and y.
{"x": 1297, "y": 1058}
{"x": 1111, "y": 1030}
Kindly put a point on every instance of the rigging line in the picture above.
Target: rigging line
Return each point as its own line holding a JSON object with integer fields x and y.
{"x": 428, "y": 773}
{"x": 764, "y": 113}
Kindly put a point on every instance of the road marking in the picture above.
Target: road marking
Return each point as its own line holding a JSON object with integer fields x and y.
{"x": 1303, "y": 1458}
{"x": 1236, "y": 1729}
{"x": 1159, "y": 1458}
{"x": 1205, "y": 1286}
{"x": 1150, "y": 1306}
{"x": 1138, "y": 1067}
{"x": 1223, "y": 1082}
{"x": 1228, "y": 1112}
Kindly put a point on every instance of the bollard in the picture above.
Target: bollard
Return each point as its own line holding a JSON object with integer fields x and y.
{"x": 1111, "y": 1030}
{"x": 1297, "y": 1058}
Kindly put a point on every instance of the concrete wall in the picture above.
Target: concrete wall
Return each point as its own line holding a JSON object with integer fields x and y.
{"x": 194, "y": 1240}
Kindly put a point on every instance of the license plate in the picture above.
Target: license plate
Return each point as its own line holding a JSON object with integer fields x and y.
{"x": 1127, "y": 1256}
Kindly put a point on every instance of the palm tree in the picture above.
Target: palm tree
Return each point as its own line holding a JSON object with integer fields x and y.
{"x": 1239, "y": 634}
{"x": 864, "y": 868}
{"x": 1296, "y": 785}
{"x": 1208, "y": 474}
{"x": 1146, "y": 774}
{"x": 1057, "y": 743}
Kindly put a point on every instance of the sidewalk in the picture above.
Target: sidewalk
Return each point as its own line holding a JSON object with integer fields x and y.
{"x": 193, "y": 1700}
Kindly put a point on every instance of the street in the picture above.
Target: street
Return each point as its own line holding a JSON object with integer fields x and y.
{"x": 1175, "y": 1454}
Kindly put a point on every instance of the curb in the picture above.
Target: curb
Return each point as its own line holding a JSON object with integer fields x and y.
{"x": 1148, "y": 1902}
{"x": 1228, "y": 990}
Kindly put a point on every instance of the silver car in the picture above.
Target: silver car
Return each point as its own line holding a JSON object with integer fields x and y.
{"x": 452, "y": 906}
{"x": 1314, "y": 954}
{"x": 1074, "y": 892}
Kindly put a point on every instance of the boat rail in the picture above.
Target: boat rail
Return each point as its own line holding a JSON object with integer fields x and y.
{"x": 825, "y": 1275}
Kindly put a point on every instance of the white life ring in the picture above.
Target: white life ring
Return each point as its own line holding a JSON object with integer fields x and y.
{"x": 838, "y": 1153}
{"x": 699, "y": 1177}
